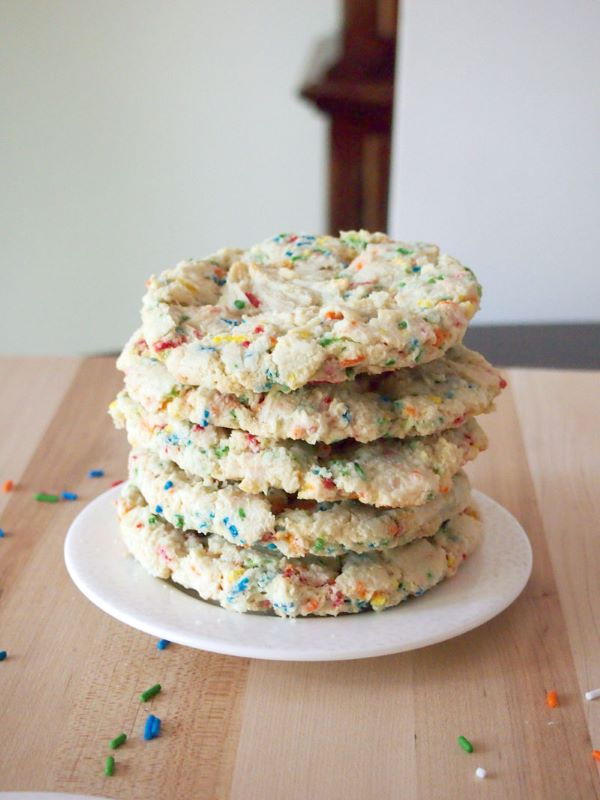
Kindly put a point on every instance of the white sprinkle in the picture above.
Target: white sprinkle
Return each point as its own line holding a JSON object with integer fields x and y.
{"x": 593, "y": 694}
{"x": 480, "y": 772}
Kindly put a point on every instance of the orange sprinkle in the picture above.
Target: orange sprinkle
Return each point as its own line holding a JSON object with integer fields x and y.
{"x": 596, "y": 755}
{"x": 440, "y": 335}
{"x": 360, "y": 265}
{"x": 218, "y": 272}
{"x": 552, "y": 699}
{"x": 312, "y": 605}
{"x": 8, "y": 486}
{"x": 349, "y": 362}
{"x": 361, "y": 589}
{"x": 410, "y": 411}
{"x": 334, "y": 315}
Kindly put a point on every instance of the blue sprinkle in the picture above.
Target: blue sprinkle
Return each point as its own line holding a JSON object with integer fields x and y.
{"x": 450, "y": 395}
{"x": 233, "y": 530}
{"x": 272, "y": 546}
{"x": 155, "y": 727}
{"x": 162, "y": 643}
{"x": 96, "y": 473}
{"x": 2, "y": 534}
{"x": 419, "y": 592}
{"x": 347, "y": 415}
{"x": 69, "y": 496}
{"x": 3, "y": 655}
{"x": 149, "y": 727}
{"x": 234, "y": 322}
{"x": 158, "y": 509}
{"x": 416, "y": 268}
{"x": 206, "y": 413}
{"x": 168, "y": 485}
{"x": 218, "y": 281}
{"x": 172, "y": 438}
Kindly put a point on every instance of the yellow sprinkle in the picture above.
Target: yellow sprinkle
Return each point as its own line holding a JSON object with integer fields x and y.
{"x": 168, "y": 429}
{"x": 451, "y": 561}
{"x": 189, "y": 286}
{"x": 235, "y": 574}
{"x": 228, "y": 338}
{"x": 379, "y": 599}
{"x": 425, "y": 304}
{"x": 291, "y": 377}
{"x": 435, "y": 398}
{"x": 113, "y": 404}
{"x": 303, "y": 334}
{"x": 468, "y": 308}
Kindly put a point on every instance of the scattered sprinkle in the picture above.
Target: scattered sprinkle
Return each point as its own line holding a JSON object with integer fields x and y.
{"x": 149, "y": 693}
{"x": 42, "y": 497}
{"x": 596, "y": 755}
{"x": 2, "y": 534}
{"x": 465, "y": 744}
{"x": 117, "y": 483}
{"x": 8, "y": 486}
{"x": 480, "y": 772}
{"x": 118, "y": 741}
{"x": 552, "y": 699}
{"x": 592, "y": 694}
{"x": 239, "y": 304}
{"x": 96, "y": 473}
{"x": 109, "y": 766}
{"x": 69, "y": 496}
{"x": 168, "y": 485}
{"x": 3, "y": 655}
{"x": 151, "y": 727}
{"x": 162, "y": 643}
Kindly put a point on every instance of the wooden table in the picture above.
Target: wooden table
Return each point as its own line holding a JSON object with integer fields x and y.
{"x": 233, "y": 728}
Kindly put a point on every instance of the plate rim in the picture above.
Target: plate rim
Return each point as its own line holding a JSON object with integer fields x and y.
{"x": 195, "y": 639}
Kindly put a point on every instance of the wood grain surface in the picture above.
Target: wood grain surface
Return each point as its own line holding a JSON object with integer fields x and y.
{"x": 233, "y": 728}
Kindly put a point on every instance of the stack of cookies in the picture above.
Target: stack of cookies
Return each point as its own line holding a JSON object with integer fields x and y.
{"x": 299, "y": 415}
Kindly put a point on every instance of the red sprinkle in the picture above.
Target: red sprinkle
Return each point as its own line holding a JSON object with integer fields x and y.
{"x": 328, "y": 483}
{"x": 116, "y": 483}
{"x": 8, "y": 486}
{"x": 253, "y": 299}
{"x": 167, "y": 345}
{"x": 503, "y": 383}
{"x": 246, "y": 344}
{"x": 253, "y": 442}
{"x": 259, "y": 329}
{"x": 327, "y": 400}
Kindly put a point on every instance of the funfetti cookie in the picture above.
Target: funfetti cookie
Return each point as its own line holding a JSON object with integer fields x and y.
{"x": 417, "y": 401}
{"x": 245, "y": 579}
{"x": 388, "y": 472}
{"x": 299, "y": 308}
{"x": 277, "y": 521}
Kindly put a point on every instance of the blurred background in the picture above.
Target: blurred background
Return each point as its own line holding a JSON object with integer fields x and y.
{"x": 136, "y": 133}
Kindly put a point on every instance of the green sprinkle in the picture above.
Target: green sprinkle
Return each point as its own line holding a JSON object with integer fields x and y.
{"x": 465, "y": 744}
{"x": 221, "y": 451}
{"x": 319, "y": 544}
{"x": 118, "y": 741}
{"x": 109, "y": 766}
{"x": 152, "y": 519}
{"x": 403, "y": 324}
{"x": 242, "y": 513}
{"x": 390, "y": 362}
{"x": 404, "y": 251}
{"x": 42, "y": 497}
{"x": 402, "y": 285}
{"x": 326, "y": 342}
{"x": 239, "y": 304}
{"x": 149, "y": 693}
{"x": 179, "y": 520}
{"x": 359, "y": 469}
{"x": 431, "y": 280}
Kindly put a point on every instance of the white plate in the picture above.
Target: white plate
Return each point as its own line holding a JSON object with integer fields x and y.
{"x": 484, "y": 586}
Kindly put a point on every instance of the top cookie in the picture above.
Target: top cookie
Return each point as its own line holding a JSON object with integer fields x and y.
{"x": 298, "y": 308}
